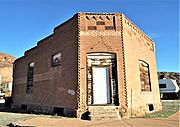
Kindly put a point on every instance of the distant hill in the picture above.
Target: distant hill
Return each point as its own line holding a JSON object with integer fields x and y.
{"x": 170, "y": 75}
{"x": 6, "y": 60}
{"x": 6, "y": 68}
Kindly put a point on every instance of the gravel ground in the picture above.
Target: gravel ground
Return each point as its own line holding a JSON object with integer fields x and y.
{"x": 6, "y": 118}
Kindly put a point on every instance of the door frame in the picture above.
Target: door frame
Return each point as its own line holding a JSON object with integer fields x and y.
{"x": 102, "y": 59}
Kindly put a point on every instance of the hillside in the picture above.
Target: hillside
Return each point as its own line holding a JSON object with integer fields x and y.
{"x": 6, "y": 60}
{"x": 6, "y": 67}
{"x": 170, "y": 75}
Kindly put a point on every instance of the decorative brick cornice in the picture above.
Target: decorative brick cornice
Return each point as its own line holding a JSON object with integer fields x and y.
{"x": 99, "y": 33}
{"x": 99, "y": 13}
{"x": 99, "y": 16}
{"x": 136, "y": 29}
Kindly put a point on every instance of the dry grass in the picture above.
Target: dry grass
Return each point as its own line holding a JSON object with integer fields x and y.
{"x": 168, "y": 108}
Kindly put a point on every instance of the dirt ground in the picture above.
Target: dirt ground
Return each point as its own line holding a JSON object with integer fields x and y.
{"x": 172, "y": 121}
{"x": 163, "y": 118}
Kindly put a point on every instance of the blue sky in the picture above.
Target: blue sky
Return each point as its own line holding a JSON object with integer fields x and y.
{"x": 24, "y": 22}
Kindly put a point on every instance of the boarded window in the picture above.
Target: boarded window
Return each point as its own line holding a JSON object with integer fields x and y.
{"x": 56, "y": 59}
{"x": 30, "y": 76}
{"x": 144, "y": 76}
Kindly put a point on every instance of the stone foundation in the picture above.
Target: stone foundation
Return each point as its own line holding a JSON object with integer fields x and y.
{"x": 45, "y": 109}
{"x": 142, "y": 110}
{"x": 135, "y": 112}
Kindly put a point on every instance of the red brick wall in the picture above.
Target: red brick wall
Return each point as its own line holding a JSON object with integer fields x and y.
{"x": 138, "y": 47}
{"x": 53, "y": 86}
{"x": 100, "y": 40}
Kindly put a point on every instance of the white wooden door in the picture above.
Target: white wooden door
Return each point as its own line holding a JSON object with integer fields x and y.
{"x": 101, "y": 90}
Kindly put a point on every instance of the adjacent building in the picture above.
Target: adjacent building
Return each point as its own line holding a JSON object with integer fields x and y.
{"x": 94, "y": 63}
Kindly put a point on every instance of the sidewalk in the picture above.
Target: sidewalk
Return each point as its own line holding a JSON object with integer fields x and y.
{"x": 172, "y": 121}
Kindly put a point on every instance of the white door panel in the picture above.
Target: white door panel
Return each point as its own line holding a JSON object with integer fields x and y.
{"x": 101, "y": 92}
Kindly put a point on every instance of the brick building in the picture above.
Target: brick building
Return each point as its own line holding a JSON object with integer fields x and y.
{"x": 97, "y": 63}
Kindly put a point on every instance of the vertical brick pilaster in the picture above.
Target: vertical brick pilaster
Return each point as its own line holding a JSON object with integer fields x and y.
{"x": 123, "y": 96}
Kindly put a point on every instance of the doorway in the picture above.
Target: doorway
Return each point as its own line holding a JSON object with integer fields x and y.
{"x": 102, "y": 84}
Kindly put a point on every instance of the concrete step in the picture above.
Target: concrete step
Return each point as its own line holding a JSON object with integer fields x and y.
{"x": 104, "y": 112}
{"x": 103, "y": 107}
{"x": 104, "y": 118}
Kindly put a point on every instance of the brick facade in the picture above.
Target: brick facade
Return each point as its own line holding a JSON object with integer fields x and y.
{"x": 88, "y": 40}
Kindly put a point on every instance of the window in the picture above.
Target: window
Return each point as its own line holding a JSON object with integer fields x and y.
{"x": 151, "y": 107}
{"x": 24, "y": 107}
{"x": 56, "y": 59}
{"x": 144, "y": 76}
{"x": 58, "y": 111}
{"x": 162, "y": 85}
{"x": 30, "y": 76}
